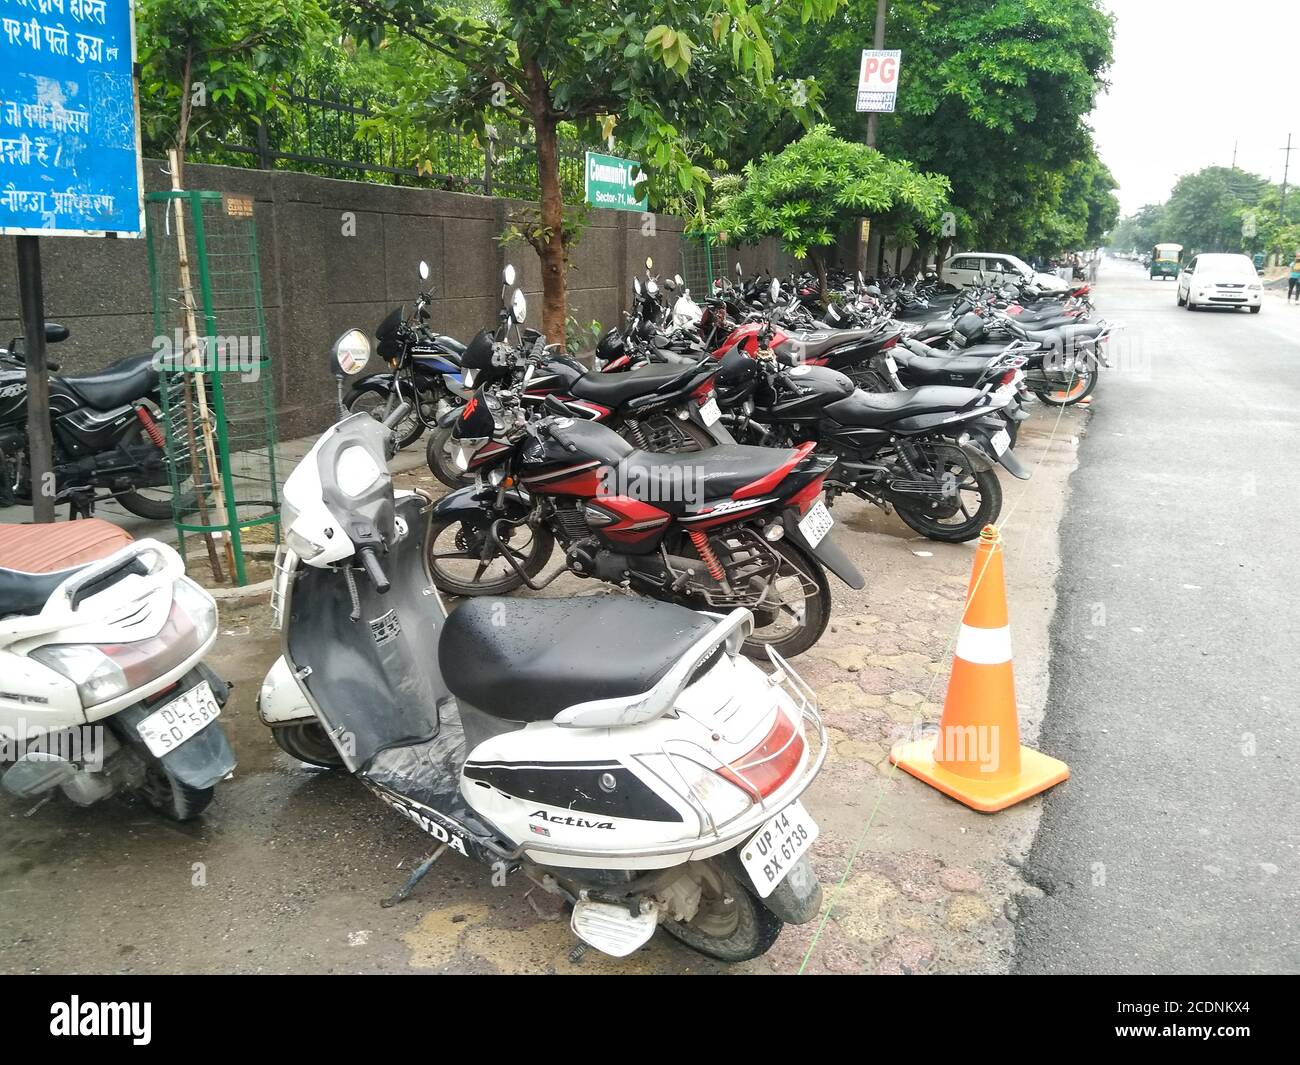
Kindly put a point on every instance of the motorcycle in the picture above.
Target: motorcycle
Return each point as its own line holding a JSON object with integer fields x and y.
{"x": 660, "y": 407}
{"x": 728, "y": 527}
{"x": 426, "y": 371}
{"x": 927, "y": 452}
{"x": 654, "y": 788}
{"x": 106, "y": 691}
{"x": 108, "y": 437}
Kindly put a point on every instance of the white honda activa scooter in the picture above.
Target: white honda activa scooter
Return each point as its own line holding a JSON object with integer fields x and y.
{"x": 104, "y": 686}
{"x": 621, "y": 753}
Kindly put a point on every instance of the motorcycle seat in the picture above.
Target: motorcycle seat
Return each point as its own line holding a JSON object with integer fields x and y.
{"x": 674, "y": 483}
{"x": 117, "y": 384}
{"x": 933, "y": 369}
{"x": 872, "y": 409}
{"x": 614, "y": 389}
{"x": 933, "y": 329}
{"x": 1063, "y": 336}
{"x": 814, "y": 345}
{"x": 555, "y": 653}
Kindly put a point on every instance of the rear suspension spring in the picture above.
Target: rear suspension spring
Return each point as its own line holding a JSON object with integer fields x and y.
{"x": 701, "y": 541}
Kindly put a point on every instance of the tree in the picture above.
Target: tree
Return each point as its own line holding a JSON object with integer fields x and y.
{"x": 218, "y": 59}
{"x": 668, "y": 75}
{"x": 992, "y": 94}
{"x": 808, "y": 192}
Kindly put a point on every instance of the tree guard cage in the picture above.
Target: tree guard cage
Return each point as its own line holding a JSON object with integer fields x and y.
{"x": 218, "y": 392}
{"x": 704, "y": 260}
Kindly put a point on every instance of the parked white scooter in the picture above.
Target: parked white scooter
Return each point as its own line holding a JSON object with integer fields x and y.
{"x": 105, "y": 690}
{"x": 622, "y": 754}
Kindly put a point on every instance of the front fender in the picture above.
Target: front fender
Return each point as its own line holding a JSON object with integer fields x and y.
{"x": 473, "y": 500}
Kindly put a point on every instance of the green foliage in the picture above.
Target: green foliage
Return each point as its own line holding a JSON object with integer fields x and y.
{"x": 808, "y": 192}
{"x": 208, "y": 67}
{"x": 1206, "y": 211}
{"x": 992, "y": 95}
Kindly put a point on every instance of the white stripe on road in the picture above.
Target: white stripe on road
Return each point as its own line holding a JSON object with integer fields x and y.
{"x": 984, "y": 647}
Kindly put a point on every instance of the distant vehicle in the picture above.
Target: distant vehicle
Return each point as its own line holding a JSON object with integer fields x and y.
{"x": 1220, "y": 280}
{"x": 965, "y": 268}
{"x": 1166, "y": 260}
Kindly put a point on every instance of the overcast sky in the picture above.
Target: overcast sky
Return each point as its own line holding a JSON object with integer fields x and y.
{"x": 1189, "y": 78}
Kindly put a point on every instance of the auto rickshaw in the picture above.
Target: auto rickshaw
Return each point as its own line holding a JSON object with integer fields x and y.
{"x": 1166, "y": 260}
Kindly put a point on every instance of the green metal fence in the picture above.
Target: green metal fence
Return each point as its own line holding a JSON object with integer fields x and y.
{"x": 218, "y": 390}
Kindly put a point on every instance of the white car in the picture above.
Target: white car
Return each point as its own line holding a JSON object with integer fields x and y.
{"x": 965, "y": 268}
{"x": 1220, "y": 280}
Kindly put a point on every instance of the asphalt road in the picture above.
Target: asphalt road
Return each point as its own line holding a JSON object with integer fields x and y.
{"x": 1175, "y": 846}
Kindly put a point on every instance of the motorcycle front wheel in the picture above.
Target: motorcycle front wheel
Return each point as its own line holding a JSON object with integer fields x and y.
{"x": 308, "y": 742}
{"x": 454, "y": 551}
{"x": 730, "y": 924}
{"x": 379, "y": 401}
{"x": 438, "y": 456}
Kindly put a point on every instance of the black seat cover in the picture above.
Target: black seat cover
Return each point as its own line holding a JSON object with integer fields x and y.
{"x": 665, "y": 481}
{"x": 937, "y": 369}
{"x": 27, "y": 593}
{"x": 934, "y": 329}
{"x": 554, "y": 653}
{"x": 876, "y": 408}
{"x": 117, "y": 384}
{"x": 614, "y": 389}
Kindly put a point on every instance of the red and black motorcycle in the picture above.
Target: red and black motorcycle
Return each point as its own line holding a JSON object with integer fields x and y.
{"x": 733, "y": 526}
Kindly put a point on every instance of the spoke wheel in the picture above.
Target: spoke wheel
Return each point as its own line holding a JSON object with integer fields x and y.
{"x": 455, "y": 549}
{"x": 971, "y": 498}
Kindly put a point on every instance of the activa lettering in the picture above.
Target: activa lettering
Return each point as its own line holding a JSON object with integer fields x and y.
{"x": 576, "y": 822}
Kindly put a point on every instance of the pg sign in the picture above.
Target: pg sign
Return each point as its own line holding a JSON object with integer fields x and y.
{"x": 614, "y": 183}
{"x": 878, "y": 80}
{"x": 69, "y": 127}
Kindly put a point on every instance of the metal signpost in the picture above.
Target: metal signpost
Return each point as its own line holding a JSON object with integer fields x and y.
{"x": 614, "y": 183}
{"x": 69, "y": 161}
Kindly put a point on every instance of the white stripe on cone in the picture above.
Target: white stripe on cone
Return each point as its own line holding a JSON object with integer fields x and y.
{"x": 984, "y": 647}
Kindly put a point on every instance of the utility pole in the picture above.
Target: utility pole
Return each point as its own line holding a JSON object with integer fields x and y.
{"x": 1286, "y": 166}
{"x": 40, "y": 441}
{"x": 1234, "y": 155}
{"x": 873, "y": 119}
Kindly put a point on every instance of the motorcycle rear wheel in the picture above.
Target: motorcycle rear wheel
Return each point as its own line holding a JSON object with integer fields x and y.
{"x": 985, "y": 482}
{"x": 731, "y": 924}
{"x": 172, "y": 798}
{"x": 813, "y": 612}
{"x": 1080, "y": 388}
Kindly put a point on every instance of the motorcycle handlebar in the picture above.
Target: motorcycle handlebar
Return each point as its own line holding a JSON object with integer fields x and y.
{"x": 370, "y": 563}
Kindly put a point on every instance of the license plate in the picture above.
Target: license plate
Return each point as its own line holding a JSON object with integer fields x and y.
{"x": 769, "y": 853}
{"x": 1001, "y": 440}
{"x": 817, "y": 523}
{"x": 709, "y": 411}
{"x": 177, "y": 721}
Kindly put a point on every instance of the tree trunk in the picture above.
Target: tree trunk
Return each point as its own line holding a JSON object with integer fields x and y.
{"x": 820, "y": 266}
{"x": 945, "y": 247}
{"x": 554, "y": 284}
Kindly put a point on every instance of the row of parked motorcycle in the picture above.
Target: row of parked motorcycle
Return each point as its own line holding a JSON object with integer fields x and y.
{"x": 641, "y": 756}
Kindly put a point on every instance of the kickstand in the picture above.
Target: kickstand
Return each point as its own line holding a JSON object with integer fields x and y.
{"x": 405, "y": 892}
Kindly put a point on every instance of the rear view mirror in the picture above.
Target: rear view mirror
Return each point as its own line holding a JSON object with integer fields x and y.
{"x": 774, "y": 290}
{"x": 350, "y": 354}
{"x": 518, "y": 307}
{"x": 54, "y": 332}
{"x": 649, "y": 263}
{"x": 739, "y": 271}
{"x": 677, "y": 278}
{"x": 636, "y": 285}
{"x": 508, "y": 275}
{"x": 424, "y": 270}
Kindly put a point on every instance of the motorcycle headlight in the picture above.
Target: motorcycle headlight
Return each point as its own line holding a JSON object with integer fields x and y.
{"x": 106, "y": 671}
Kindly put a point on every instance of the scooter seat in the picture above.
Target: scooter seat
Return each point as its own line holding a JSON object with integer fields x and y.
{"x": 614, "y": 389}
{"x": 528, "y": 659}
{"x": 36, "y": 559}
{"x": 117, "y": 384}
{"x": 872, "y": 409}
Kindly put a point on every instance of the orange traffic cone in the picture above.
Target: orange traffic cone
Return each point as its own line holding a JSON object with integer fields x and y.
{"x": 976, "y": 756}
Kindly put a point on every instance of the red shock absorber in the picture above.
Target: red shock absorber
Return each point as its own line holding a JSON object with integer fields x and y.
{"x": 701, "y": 541}
{"x": 151, "y": 427}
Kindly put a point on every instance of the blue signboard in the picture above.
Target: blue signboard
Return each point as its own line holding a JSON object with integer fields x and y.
{"x": 69, "y": 128}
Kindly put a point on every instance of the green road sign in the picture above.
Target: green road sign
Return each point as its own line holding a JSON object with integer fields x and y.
{"x": 614, "y": 183}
